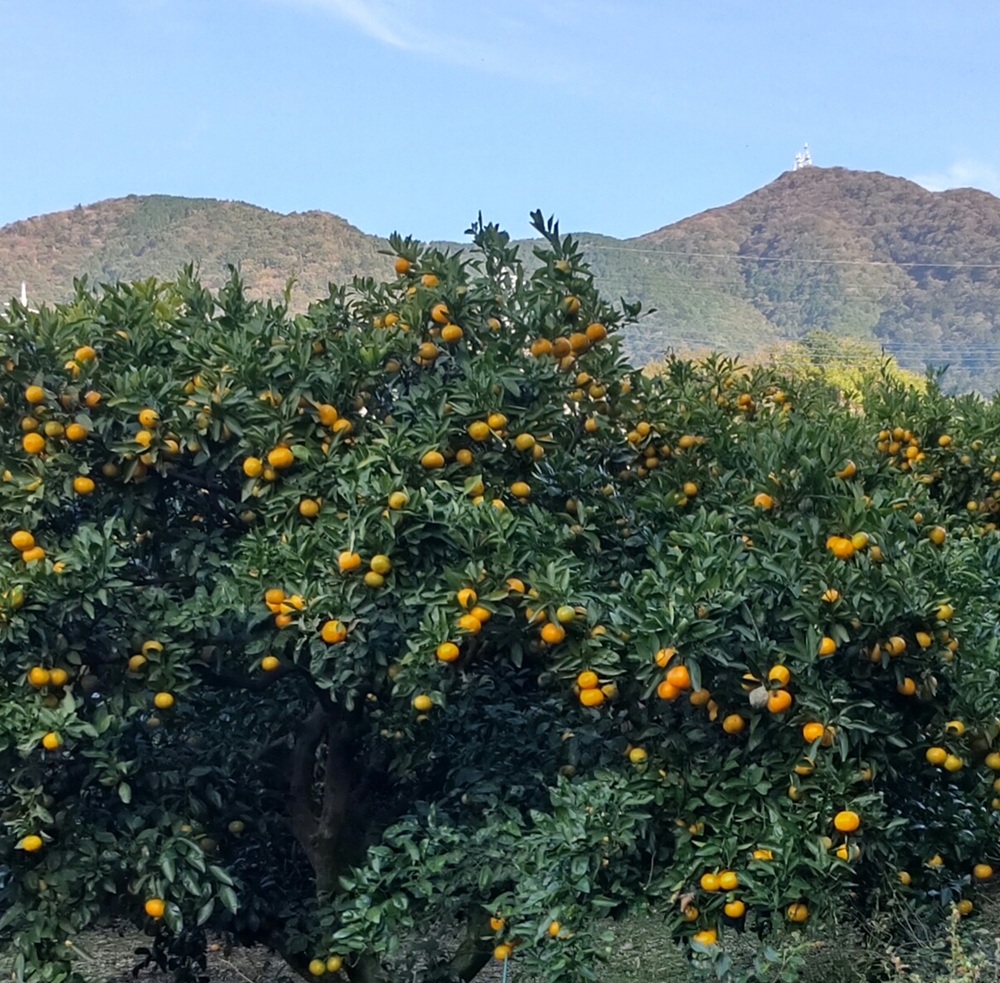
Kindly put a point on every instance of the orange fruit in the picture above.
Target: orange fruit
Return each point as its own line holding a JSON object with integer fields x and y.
{"x": 440, "y": 313}
{"x": 497, "y": 924}
{"x": 779, "y": 675}
{"x": 34, "y": 395}
{"x": 779, "y": 701}
{"x": 348, "y": 561}
{"x": 451, "y": 333}
{"x": 381, "y": 564}
{"x": 402, "y": 266}
{"x": 827, "y": 646}
{"x": 470, "y": 623}
{"x": 22, "y": 540}
{"x": 479, "y": 430}
{"x": 907, "y": 687}
{"x": 735, "y": 909}
{"x": 33, "y": 443}
{"x": 762, "y": 854}
{"x": 36, "y": 553}
{"x": 398, "y": 500}
{"x": 83, "y": 485}
{"x": 982, "y": 872}
{"x": 52, "y": 741}
{"x": 592, "y": 697}
{"x": 58, "y": 677}
{"x": 663, "y": 657}
{"x": 956, "y": 727}
{"x": 763, "y": 501}
{"x": 422, "y": 703}
{"x": 587, "y": 679}
{"x": 32, "y": 844}
{"x": 904, "y": 878}
{"x": 502, "y": 952}
{"x": 667, "y": 691}
{"x": 831, "y": 595}
{"x": 148, "y": 418}
{"x": 638, "y": 755}
{"x": 163, "y": 701}
{"x": 467, "y": 597}
{"x": 699, "y": 697}
{"x": 253, "y": 467}
{"x": 553, "y": 633}
{"x": 280, "y": 458}
{"x": 520, "y": 489}
{"x": 707, "y": 936}
{"x": 813, "y": 731}
{"x": 847, "y": 821}
{"x": 709, "y": 882}
{"x": 945, "y": 612}
{"x": 841, "y": 547}
{"x": 155, "y": 907}
{"x": 269, "y": 663}
{"x": 733, "y": 724}
{"x": 309, "y": 508}
{"x": 797, "y": 913}
{"x": 39, "y": 676}
{"x": 953, "y": 763}
{"x": 76, "y": 433}
{"x": 728, "y": 880}
{"x": 432, "y": 460}
{"x": 333, "y": 632}
{"x": 316, "y": 967}
{"x": 680, "y": 677}
{"x": 447, "y": 652}
{"x": 936, "y": 755}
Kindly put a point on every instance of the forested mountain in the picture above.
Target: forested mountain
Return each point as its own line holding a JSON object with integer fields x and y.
{"x": 850, "y": 253}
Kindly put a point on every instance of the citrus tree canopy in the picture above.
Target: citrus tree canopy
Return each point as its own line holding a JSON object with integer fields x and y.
{"x": 420, "y": 630}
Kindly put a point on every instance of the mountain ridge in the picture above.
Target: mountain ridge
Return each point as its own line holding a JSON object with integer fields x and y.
{"x": 858, "y": 254}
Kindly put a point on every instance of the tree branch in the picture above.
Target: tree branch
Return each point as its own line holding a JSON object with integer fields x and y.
{"x": 475, "y": 950}
{"x": 301, "y": 815}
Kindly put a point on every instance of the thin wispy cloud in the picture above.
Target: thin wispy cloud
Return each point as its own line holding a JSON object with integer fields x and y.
{"x": 965, "y": 173}
{"x": 373, "y": 18}
{"x": 505, "y": 40}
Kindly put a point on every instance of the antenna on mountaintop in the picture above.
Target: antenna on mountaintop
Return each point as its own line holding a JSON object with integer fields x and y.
{"x": 803, "y": 159}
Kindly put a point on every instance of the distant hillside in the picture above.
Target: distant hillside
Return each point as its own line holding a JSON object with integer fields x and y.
{"x": 142, "y": 236}
{"x": 851, "y": 253}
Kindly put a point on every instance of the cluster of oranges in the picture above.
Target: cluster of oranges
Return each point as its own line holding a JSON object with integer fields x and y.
{"x": 283, "y": 606}
{"x": 331, "y": 964}
{"x": 24, "y": 542}
{"x": 379, "y": 567}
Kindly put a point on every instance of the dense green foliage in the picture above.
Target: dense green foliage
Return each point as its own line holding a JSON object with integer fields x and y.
{"x": 351, "y": 631}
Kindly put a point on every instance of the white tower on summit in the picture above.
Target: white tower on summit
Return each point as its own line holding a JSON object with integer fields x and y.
{"x": 803, "y": 159}
{"x": 24, "y": 294}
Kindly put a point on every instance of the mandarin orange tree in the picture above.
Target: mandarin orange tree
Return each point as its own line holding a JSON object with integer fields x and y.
{"x": 420, "y": 630}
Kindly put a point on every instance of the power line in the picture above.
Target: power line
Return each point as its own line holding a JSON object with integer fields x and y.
{"x": 591, "y": 246}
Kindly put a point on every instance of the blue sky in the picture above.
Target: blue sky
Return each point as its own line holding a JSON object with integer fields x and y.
{"x": 619, "y": 116}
